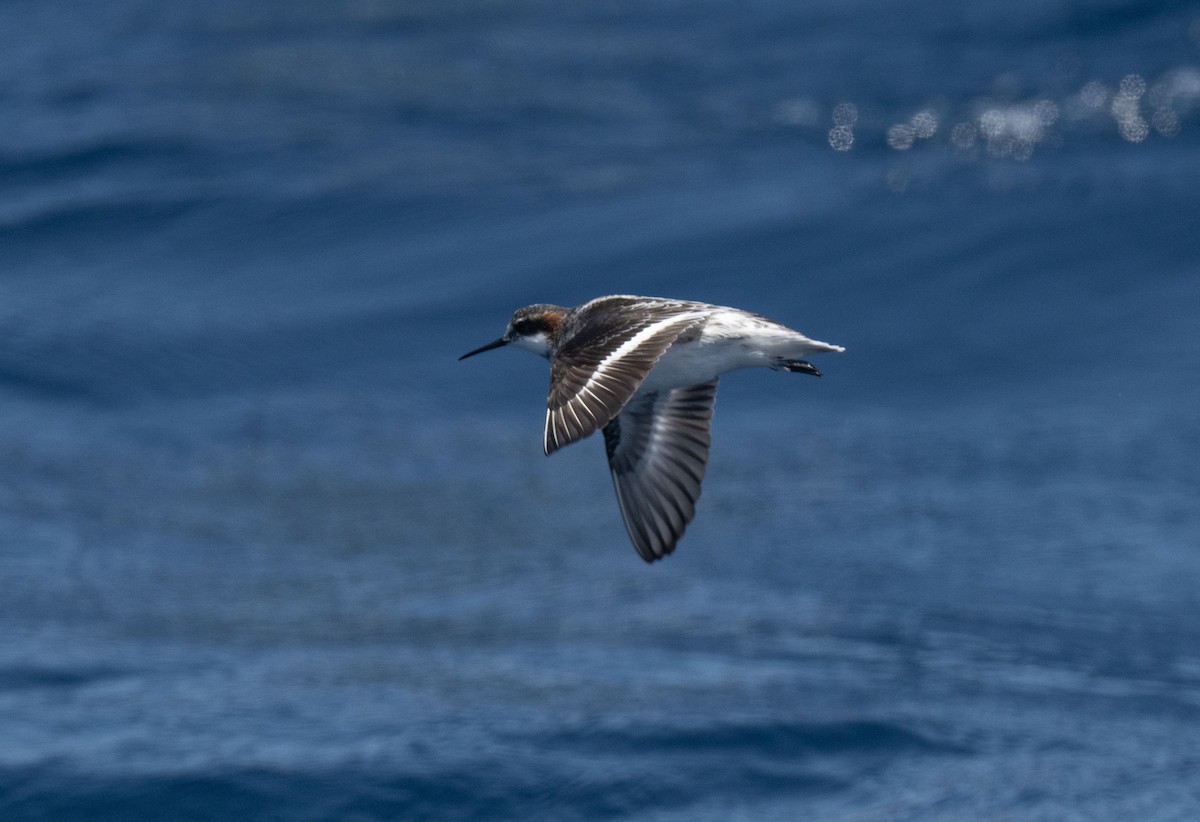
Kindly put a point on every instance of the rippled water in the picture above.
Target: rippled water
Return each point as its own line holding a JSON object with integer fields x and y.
{"x": 269, "y": 552}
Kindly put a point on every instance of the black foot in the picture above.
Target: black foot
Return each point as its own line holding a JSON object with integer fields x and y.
{"x": 800, "y": 367}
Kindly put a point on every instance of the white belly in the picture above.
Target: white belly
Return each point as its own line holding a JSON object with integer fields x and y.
{"x": 727, "y": 344}
{"x": 691, "y": 363}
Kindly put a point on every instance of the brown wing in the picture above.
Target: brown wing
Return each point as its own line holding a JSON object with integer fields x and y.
{"x": 599, "y": 369}
{"x": 657, "y": 452}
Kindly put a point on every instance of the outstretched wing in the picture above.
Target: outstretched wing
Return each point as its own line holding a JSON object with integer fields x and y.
{"x": 596, "y": 372}
{"x": 657, "y": 452}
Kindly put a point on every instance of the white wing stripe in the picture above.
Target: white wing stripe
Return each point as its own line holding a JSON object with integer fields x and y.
{"x": 637, "y": 339}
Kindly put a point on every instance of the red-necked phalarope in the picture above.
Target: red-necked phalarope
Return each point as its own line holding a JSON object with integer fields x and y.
{"x": 645, "y": 370}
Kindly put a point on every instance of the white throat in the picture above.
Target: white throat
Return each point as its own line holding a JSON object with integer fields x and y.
{"x": 538, "y": 343}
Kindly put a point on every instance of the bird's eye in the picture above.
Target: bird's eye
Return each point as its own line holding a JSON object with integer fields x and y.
{"x": 523, "y": 327}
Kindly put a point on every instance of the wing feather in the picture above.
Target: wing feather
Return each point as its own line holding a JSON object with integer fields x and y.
{"x": 657, "y": 453}
{"x": 600, "y": 368}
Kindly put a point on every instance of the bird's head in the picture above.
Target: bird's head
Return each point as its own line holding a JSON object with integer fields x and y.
{"x": 535, "y": 328}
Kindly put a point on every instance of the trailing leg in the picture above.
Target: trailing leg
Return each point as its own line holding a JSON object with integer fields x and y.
{"x": 797, "y": 366}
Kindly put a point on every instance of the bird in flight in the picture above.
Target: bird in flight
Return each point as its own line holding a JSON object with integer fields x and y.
{"x": 645, "y": 370}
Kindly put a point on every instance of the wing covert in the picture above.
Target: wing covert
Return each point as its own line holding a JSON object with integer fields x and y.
{"x": 599, "y": 369}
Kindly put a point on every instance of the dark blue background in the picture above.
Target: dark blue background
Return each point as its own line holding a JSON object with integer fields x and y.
{"x": 269, "y": 552}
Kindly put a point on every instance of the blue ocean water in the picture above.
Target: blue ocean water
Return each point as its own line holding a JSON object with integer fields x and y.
{"x": 269, "y": 553}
